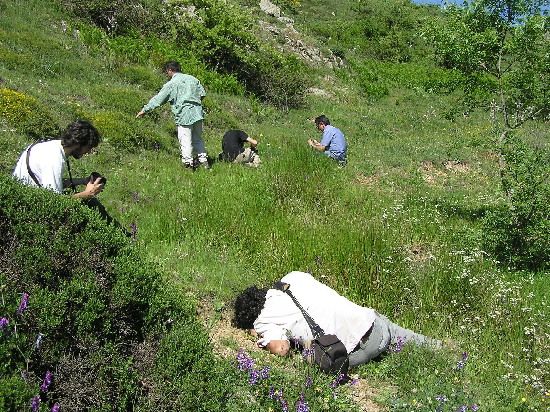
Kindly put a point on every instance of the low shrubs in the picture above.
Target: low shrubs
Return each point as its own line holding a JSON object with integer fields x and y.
{"x": 26, "y": 114}
{"x": 85, "y": 323}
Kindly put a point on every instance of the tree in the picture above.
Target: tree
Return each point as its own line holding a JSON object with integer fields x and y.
{"x": 503, "y": 49}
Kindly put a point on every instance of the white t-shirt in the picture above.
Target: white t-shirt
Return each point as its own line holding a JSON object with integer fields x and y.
{"x": 281, "y": 319}
{"x": 47, "y": 161}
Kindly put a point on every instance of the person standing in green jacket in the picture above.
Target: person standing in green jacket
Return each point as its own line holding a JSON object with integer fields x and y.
{"x": 185, "y": 94}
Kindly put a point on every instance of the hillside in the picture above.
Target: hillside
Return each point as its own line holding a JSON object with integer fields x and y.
{"x": 400, "y": 229}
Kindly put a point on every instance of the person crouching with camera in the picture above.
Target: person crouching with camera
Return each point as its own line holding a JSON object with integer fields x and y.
{"x": 43, "y": 164}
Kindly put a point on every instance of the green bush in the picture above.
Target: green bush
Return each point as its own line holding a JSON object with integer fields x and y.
{"x": 26, "y": 114}
{"x": 121, "y": 131}
{"x": 96, "y": 315}
{"x": 518, "y": 232}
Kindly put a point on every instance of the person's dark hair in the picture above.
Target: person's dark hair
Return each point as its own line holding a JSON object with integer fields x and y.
{"x": 322, "y": 119}
{"x": 80, "y": 133}
{"x": 248, "y": 306}
{"x": 174, "y": 66}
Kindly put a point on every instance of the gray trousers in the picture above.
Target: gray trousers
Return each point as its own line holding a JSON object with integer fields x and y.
{"x": 385, "y": 333}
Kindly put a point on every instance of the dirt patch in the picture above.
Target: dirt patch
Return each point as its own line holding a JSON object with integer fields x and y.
{"x": 418, "y": 253}
{"x": 227, "y": 340}
{"x": 366, "y": 180}
{"x": 456, "y": 166}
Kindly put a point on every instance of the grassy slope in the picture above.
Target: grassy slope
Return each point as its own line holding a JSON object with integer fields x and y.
{"x": 397, "y": 229}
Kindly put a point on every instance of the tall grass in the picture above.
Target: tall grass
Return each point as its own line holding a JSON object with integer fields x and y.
{"x": 397, "y": 229}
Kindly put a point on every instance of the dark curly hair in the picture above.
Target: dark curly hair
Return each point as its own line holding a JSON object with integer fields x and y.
{"x": 80, "y": 133}
{"x": 248, "y": 306}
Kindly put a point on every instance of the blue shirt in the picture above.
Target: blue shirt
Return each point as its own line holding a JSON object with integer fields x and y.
{"x": 335, "y": 143}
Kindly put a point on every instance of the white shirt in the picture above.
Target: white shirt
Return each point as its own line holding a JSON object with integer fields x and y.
{"x": 281, "y": 319}
{"x": 47, "y": 161}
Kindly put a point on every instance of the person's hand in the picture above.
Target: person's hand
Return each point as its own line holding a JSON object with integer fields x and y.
{"x": 312, "y": 142}
{"x": 93, "y": 188}
{"x": 140, "y": 113}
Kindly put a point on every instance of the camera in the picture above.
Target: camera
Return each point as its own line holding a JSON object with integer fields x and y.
{"x": 94, "y": 176}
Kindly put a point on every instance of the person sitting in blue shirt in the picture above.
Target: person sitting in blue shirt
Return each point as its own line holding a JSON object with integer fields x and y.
{"x": 333, "y": 142}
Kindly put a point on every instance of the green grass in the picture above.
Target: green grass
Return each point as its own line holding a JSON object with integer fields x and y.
{"x": 397, "y": 229}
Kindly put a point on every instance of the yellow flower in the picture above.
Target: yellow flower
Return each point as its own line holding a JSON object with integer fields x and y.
{"x": 523, "y": 399}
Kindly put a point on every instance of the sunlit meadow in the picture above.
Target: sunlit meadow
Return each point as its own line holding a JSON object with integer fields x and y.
{"x": 398, "y": 229}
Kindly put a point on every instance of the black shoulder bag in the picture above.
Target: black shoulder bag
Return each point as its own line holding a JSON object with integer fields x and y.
{"x": 328, "y": 351}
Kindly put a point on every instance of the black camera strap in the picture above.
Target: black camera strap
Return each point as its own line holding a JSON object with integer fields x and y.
{"x": 31, "y": 173}
{"x": 316, "y": 330}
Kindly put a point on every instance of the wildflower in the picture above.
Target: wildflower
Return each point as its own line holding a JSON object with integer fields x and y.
{"x": 462, "y": 362}
{"x": 3, "y": 323}
{"x": 398, "y": 345}
{"x": 47, "y": 382}
{"x": 463, "y": 408}
{"x": 133, "y": 233}
{"x": 254, "y": 375}
{"x": 440, "y": 398}
{"x": 23, "y": 304}
{"x": 135, "y": 197}
{"x": 265, "y": 372}
{"x": 55, "y": 407}
{"x": 35, "y": 404}
{"x": 308, "y": 382}
{"x": 243, "y": 361}
{"x": 284, "y": 405}
{"x": 38, "y": 340}
{"x": 156, "y": 147}
{"x": 474, "y": 407}
{"x": 337, "y": 381}
{"x": 302, "y": 405}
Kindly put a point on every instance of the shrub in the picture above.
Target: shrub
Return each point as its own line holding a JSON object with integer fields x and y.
{"x": 120, "y": 131}
{"x": 518, "y": 232}
{"x": 95, "y": 315}
{"x": 26, "y": 114}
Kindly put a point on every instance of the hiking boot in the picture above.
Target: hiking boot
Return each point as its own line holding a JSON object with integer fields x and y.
{"x": 188, "y": 167}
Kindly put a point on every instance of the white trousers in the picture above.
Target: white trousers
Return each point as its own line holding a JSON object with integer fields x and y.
{"x": 190, "y": 138}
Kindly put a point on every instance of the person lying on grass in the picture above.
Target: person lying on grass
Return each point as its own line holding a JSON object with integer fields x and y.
{"x": 272, "y": 317}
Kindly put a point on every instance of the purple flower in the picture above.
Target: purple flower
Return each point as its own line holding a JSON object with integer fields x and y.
{"x": 308, "y": 382}
{"x": 47, "y": 382}
{"x": 302, "y": 405}
{"x": 337, "y": 381}
{"x": 23, "y": 304}
{"x": 474, "y": 407}
{"x": 35, "y": 403}
{"x": 133, "y": 228}
{"x": 38, "y": 340}
{"x": 243, "y": 361}
{"x": 463, "y": 408}
{"x": 284, "y": 405}
{"x": 462, "y": 362}
{"x": 440, "y": 398}
{"x": 4, "y": 323}
{"x": 135, "y": 197}
{"x": 254, "y": 376}
{"x": 265, "y": 372}
{"x": 156, "y": 147}
{"x": 55, "y": 407}
{"x": 398, "y": 345}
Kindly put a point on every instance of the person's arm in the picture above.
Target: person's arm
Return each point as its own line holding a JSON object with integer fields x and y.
{"x": 278, "y": 347}
{"x": 316, "y": 145}
{"x": 253, "y": 143}
{"x": 92, "y": 189}
{"x": 156, "y": 101}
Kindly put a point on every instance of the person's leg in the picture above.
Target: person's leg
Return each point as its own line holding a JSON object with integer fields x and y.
{"x": 184, "y": 137}
{"x": 377, "y": 343}
{"x": 399, "y": 334}
{"x": 197, "y": 142}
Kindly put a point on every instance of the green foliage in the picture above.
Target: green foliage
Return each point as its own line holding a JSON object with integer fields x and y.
{"x": 121, "y": 131}
{"x": 502, "y": 48}
{"x": 26, "y": 114}
{"x": 90, "y": 312}
{"x": 518, "y": 232}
